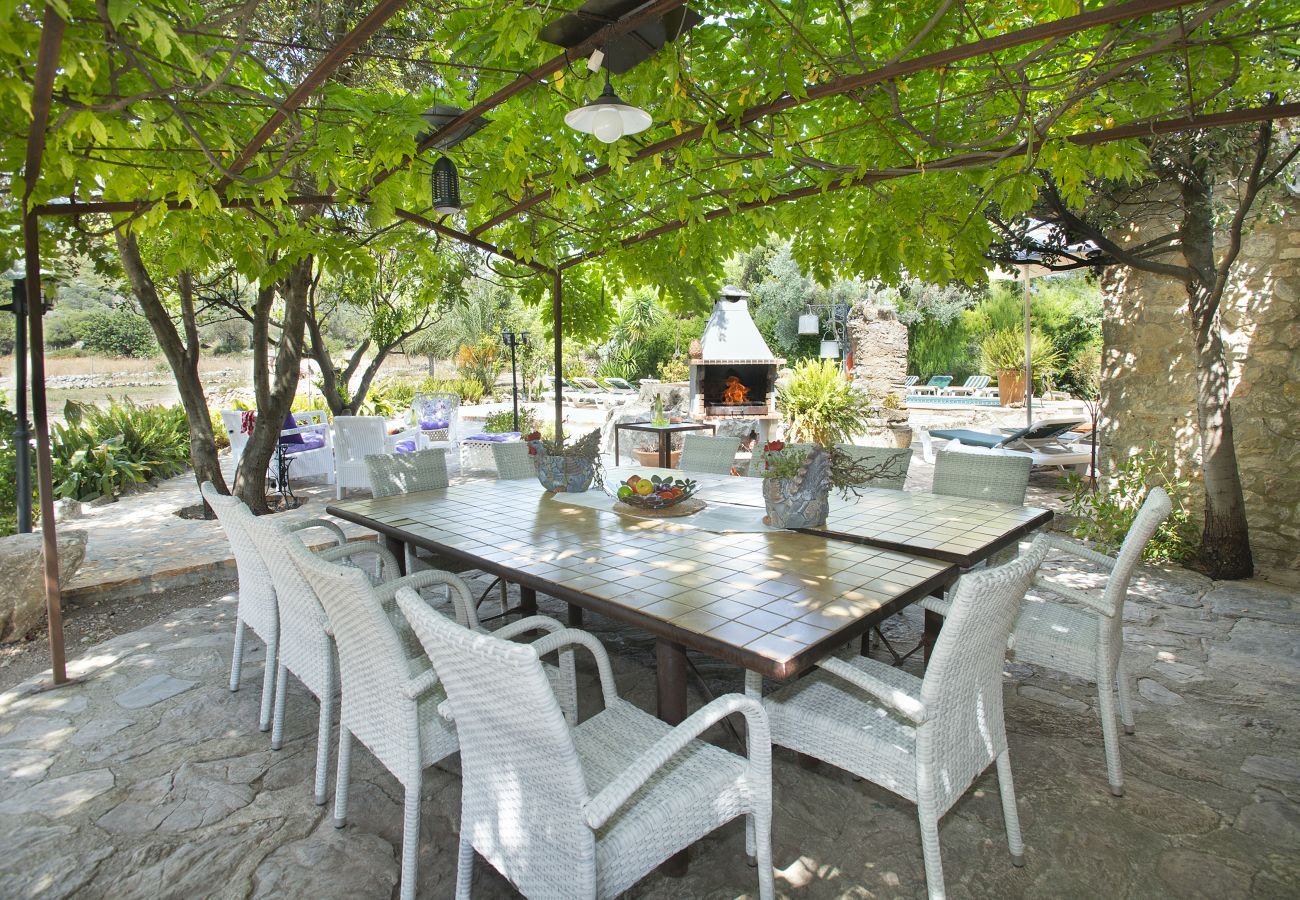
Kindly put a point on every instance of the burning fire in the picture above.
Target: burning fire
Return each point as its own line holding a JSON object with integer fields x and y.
{"x": 734, "y": 392}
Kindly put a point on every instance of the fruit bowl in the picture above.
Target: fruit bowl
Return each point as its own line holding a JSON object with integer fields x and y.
{"x": 663, "y": 491}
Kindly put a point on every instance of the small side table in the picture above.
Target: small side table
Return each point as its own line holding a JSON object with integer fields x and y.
{"x": 665, "y": 433}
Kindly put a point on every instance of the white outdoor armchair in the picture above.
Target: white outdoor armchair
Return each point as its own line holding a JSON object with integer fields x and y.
{"x": 257, "y": 603}
{"x": 926, "y": 740}
{"x": 584, "y": 812}
{"x": 355, "y": 438}
{"x": 390, "y": 693}
{"x": 1085, "y": 638}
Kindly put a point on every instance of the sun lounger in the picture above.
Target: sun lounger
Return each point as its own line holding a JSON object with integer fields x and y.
{"x": 973, "y": 385}
{"x": 932, "y": 387}
{"x": 618, "y": 386}
{"x": 1049, "y": 442}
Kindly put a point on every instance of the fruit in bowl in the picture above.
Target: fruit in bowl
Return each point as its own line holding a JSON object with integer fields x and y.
{"x": 655, "y": 492}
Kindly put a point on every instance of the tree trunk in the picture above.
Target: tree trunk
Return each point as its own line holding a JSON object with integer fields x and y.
{"x": 182, "y": 357}
{"x": 274, "y": 390}
{"x": 1225, "y": 538}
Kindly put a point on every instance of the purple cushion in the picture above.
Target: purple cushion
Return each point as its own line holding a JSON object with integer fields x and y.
{"x": 405, "y": 446}
{"x": 495, "y": 438}
{"x": 291, "y": 422}
{"x": 311, "y": 440}
{"x": 432, "y": 425}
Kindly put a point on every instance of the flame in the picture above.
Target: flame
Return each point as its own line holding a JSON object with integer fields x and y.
{"x": 734, "y": 392}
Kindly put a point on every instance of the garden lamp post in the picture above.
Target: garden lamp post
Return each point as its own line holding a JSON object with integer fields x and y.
{"x": 512, "y": 340}
{"x": 22, "y": 436}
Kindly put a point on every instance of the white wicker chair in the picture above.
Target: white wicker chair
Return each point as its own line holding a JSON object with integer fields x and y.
{"x": 512, "y": 460}
{"x": 390, "y": 474}
{"x": 256, "y": 606}
{"x": 316, "y": 459}
{"x": 1086, "y": 638}
{"x": 926, "y": 740}
{"x": 891, "y": 463}
{"x": 390, "y": 694}
{"x": 437, "y": 415}
{"x": 712, "y": 455}
{"x": 588, "y": 811}
{"x": 1003, "y": 479}
{"x": 306, "y": 645}
{"x": 355, "y": 438}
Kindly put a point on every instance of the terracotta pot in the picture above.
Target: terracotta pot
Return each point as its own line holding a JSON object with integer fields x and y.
{"x": 650, "y": 458}
{"x": 902, "y": 435}
{"x": 1011, "y": 386}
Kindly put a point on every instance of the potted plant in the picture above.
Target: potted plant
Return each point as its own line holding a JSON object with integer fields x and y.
{"x": 821, "y": 405}
{"x": 1003, "y": 353}
{"x": 797, "y": 481}
{"x": 561, "y": 468}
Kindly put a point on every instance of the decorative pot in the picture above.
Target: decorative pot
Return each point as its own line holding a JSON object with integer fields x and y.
{"x": 571, "y": 474}
{"x": 650, "y": 458}
{"x": 1011, "y": 386}
{"x": 902, "y": 435}
{"x": 802, "y": 501}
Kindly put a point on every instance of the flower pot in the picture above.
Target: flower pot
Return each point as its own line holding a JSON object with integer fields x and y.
{"x": 791, "y": 505}
{"x": 1011, "y": 386}
{"x": 570, "y": 474}
{"x": 902, "y": 435}
{"x": 650, "y": 458}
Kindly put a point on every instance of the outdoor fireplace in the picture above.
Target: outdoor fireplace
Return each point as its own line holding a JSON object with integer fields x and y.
{"x": 733, "y": 373}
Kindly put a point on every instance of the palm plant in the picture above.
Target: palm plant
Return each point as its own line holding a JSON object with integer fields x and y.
{"x": 821, "y": 405}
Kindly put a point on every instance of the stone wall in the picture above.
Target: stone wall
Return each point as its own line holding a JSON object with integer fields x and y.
{"x": 879, "y": 343}
{"x": 1149, "y": 393}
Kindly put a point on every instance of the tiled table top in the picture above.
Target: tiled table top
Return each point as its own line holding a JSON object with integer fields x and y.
{"x": 772, "y": 602}
{"x": 949, "y": 528}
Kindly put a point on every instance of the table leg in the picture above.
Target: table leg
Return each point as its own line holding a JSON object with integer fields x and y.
{"x": 575, "y": 615}
{"x": 398, "y": 549}
{"x": 665, "y": 450}
{"x": 615, "y": 445}
{"x": 527, "y": 601}
{"x": 670, "y": 672}
{"x": 933, "y": 622}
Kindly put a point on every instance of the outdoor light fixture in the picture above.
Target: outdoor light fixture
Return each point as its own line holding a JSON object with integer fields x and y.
{"x": 830, "y": 349}
{"x": 608, "y": 117}
{"x": 446, "y": 187}
{"x": 809, "y": 324}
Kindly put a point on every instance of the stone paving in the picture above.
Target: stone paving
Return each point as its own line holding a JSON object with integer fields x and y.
{"x": 150, "y": 779}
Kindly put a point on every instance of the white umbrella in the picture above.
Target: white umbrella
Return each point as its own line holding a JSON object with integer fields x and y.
{"x": 1024, "y": 271}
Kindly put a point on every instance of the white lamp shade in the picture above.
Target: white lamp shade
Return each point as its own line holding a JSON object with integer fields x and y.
{"x": 598, "y": 117}
{"x": 809, "y": 324}
{"x": 830, "y": 350}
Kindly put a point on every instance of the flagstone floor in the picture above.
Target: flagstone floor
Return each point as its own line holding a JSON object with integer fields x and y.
{"x": 150, "y": 779}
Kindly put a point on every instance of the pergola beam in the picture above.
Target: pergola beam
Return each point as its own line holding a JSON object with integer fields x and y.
{"x": 453, "y": 234}
{"x": 578, "y": 51}
{"x": 47, "y": 65}
{"x": 972, "y": 161}
{"x": 324, "y": 69}
{"x": 1059, "y": 28}
{"x": 89, "y": 207}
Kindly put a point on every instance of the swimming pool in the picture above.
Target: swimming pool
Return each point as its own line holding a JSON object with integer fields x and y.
{"x": 920, "y": 399}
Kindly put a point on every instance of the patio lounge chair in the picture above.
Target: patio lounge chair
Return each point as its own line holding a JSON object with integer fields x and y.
{"x": 355, "y": 438}
{"x": 932, "y": 387}
{"x": 974, "y": 384}
{"x": 926, "y": 739}
{"x": 256, "y": 607}
{"x": 390, "y": 694}
{"x": 597, "y": 391}
{"x": 1047, "y": 442}
{"x": 622, "y": 385}
{"x": 911, "y": 380}
{"x": 587, "y": 811}
{"x": 891, "y": 463}
{"x": 711, "y": 455}
{"x": 1085, "y": 637}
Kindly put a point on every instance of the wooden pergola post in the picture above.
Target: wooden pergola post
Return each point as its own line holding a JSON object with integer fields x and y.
{"x": 557, "y": 332}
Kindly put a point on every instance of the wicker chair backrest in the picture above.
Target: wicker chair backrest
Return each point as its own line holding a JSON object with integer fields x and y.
{"x": 256, "y": 590}
{"x": 891, "y": 462}
{"x": 404, "y": 473}
{"x": 982, "y": 476}
{"x": 512, "y": 460}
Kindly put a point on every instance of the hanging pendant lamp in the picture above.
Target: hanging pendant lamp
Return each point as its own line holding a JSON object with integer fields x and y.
{"x": 608, "y": 117}
{"x": 446, "y": 187}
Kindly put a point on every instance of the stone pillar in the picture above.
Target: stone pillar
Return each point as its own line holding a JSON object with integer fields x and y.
{"x": 1148, "y": 390}
{"x": 879, "y": 344}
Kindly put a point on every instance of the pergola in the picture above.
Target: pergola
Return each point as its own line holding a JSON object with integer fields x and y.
{"x": 842, "y": 122}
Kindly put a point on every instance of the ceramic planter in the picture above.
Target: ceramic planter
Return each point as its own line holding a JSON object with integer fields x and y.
{"x": 804, "y": 500}
{"x": 570, "y": 474}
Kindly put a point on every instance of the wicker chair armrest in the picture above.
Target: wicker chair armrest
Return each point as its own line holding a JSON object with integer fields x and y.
{"x": 1075, "y": 596}
{"x": 572, "y": 637}
{"x": 523, "y": 626}
{"x": 329, "y": 526}
{"x": 940, "y": 605}
{"x": 1074, "y": 548}
{"x": 611, "y": 798}
{"x": 420, "y": 685}
{"x": 911, "y": 708}
{"x": 387, "y": 562}
{"x": 461, "y": 596}
{"x": 305, "y": 429}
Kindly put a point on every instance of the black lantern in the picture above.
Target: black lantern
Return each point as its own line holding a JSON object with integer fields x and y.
{"x": 446, "y": 187}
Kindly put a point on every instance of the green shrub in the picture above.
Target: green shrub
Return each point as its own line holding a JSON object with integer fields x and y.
{"x": 1002, "y": 350}
{"x": 219, "y": 436}
{"x": 675, "y": 369}
{"x": 1105, "y": 516}
{"x": 470, "y": 391}
{"x": 119, "y": 332}
{"x": 822, "y": 406}
{"x": 504, "y": 421}
{"x": 100, "y": 451}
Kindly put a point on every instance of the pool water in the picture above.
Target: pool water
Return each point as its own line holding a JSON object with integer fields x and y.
{"x": 953, "y": 401}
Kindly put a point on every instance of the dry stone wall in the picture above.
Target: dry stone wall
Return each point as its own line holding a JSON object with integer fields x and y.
{"x": 1149, "y": 392}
